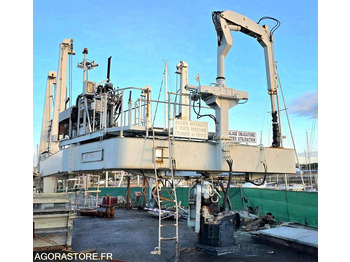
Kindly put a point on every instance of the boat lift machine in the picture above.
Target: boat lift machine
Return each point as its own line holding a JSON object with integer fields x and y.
{"x": 107, "y": 130}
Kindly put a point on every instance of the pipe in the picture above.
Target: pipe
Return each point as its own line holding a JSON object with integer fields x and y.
{"x": 109, "y": 68}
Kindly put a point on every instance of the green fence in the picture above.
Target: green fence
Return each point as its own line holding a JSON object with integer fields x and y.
{"x": 293, "y": 206}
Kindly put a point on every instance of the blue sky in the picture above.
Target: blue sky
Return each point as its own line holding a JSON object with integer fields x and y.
{"x": 139, "y": 35}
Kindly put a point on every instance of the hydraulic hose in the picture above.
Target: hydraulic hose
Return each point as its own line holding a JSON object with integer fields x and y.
{"x": 228, "y": 199}
{"x": 230, "y": 163}
{"x": 260, "y": 184}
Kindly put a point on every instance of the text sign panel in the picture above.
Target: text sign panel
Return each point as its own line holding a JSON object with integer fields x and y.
{"x": 92, "y": 156}
{"x": 190, "y": 129}
{"x": 242, "y": 136}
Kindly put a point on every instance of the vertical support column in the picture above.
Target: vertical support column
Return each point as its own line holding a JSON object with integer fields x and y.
{"x": 150, "y": 183}
{"x": 198, "y": 208}
{"x": 144, "y": 192}
{"x": 50, "y": 184}
{"x": 128, "y": 194}
{"x": 271, "y": 76}
{"x": 182, "y": 69}
{"x": 122, "y": 115}
{"x": 86, "y": 188}
{"x": 139, "y": 119}
{"x": 106, "y": 181}
{"x": 148, "y": 108}
{"x": 221, "y": 107}
{"x": 286, "y": 181}
{"x": 130, "y": 110}
{"x": 121, "y": 178}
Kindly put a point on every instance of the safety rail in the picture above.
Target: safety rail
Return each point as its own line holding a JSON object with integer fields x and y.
{"x": 116, "y": 109}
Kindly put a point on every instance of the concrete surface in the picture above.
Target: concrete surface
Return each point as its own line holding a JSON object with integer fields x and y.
{"x": 133, "y": 234}
{"x": 299, "y": 235}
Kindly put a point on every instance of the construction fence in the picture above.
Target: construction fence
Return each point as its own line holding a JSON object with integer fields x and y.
{"x": 287, "y": 206}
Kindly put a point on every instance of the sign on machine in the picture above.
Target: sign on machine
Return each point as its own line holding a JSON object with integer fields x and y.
{"x": 192, "y": 129}
{"x": 243, "y": 136}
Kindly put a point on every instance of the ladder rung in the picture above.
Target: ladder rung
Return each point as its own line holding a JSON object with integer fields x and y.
{"x": 156, "y": 251}
{"x": 168, "y": 238}
{"x": 168, "y": 225}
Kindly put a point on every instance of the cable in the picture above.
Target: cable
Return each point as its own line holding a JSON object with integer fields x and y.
{"x": 228, "y": 199}
{"x": 259, "y": 184}
{"x": 118, "y": 109}
{"x": 155, "y": 113}
{"x": 277, "y": 25}
{"x": 199, "y": 111}
{"x": 229, "y": 162}
{"x": 245, "y": 101}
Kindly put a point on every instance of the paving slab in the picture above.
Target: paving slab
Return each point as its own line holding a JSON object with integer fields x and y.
{"x": 298, "y": 235}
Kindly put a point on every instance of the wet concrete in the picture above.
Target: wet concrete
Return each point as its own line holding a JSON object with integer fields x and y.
{"x": 133, "y": 234}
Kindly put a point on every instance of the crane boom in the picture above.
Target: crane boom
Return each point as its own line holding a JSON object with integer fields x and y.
{"x": 228, "y": 21}
{"x": 46, "y": 122}
{"x": 66, "y": 48}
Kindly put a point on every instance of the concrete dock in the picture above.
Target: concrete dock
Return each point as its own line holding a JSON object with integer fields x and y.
{"x": 133, "y": 234}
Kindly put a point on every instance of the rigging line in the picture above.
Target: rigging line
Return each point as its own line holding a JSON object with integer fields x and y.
{"x": 155, "y": 112}
{"x": 290, "y": 128}
{"x": 313, "y": 128}
{"x": 265, "y": 115}
{"x": 153, "y": 135}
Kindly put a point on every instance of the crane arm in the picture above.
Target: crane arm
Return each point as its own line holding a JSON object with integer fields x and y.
{"x": 46, "y": 122}
{"x": 228, "y": 21}
{"x": 66, "y": 48}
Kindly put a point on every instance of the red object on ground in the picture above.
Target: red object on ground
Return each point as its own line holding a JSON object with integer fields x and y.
{"x": 108, "y": 201}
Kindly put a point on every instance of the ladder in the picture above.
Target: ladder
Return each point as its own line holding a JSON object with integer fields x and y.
{"x": 172, "y": 167}
{"x": 175, "y": 237}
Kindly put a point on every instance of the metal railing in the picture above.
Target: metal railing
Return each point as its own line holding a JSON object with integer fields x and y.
{"x": 127, "y": 114}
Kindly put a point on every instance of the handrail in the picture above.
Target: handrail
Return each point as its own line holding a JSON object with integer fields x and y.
{"x": 135, "y": 113}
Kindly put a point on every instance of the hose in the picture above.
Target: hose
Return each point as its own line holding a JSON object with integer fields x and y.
{"x": 77, "y": 100}
{"x": 228, "y": 199}
{"x": 199, "y": 111}
{"x": 118, "y": 108}
{"x": 230, "y": 163}
{"x": 259, "y": 184}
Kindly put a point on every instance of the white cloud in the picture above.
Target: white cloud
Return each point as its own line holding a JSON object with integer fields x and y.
{"x": 305, "y": 105}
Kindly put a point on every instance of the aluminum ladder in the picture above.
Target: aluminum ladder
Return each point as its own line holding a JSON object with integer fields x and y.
{"x": 157, "y": 249}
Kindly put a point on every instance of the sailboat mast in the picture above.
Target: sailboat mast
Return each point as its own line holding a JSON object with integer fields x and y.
{"x": 166, "y": 95}
{"x": 308, "y": 157}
